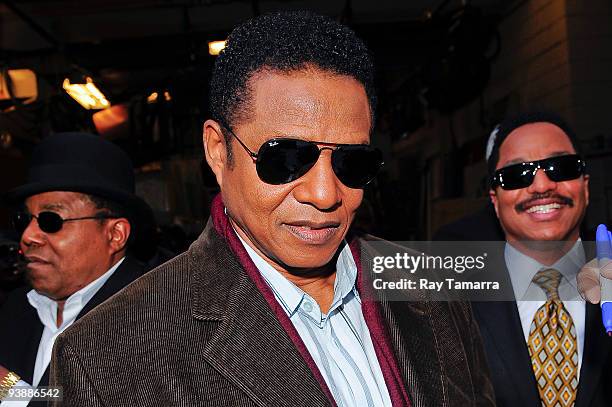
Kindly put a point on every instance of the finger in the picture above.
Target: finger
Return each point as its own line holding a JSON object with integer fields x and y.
{"x": 606, "y": 270}
{"x": 588, "y": 282}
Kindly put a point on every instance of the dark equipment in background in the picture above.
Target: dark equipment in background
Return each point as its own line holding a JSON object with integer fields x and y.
{"x": 458, "y": 69}
{"x": 11, "y": 264}
{"x": 450, "y": 71}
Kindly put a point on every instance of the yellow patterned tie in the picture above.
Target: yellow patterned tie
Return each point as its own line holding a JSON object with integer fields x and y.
{"x": 553, "y": 346}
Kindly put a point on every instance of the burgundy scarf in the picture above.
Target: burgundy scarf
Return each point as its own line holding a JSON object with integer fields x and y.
{"x": 370, "y": 309}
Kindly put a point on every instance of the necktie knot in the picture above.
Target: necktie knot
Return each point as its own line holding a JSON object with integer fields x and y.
{"x": 549, "y": 280}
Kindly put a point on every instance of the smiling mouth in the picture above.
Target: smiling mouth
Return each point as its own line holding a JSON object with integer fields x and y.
{"x": 544, "y": 204}
{"x": 544, "y": 208}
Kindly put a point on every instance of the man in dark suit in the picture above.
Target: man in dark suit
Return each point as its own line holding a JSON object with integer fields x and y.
{"x": 269, "y": 306}
{"x": 78, "y": 211}
{"x": 546, "y": 348}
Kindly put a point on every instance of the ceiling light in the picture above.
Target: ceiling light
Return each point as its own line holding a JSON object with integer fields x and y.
{"x": 215, "y": 47}
{"x": 24, "y": 86}
{"x": 87, "y": 94}
{"x": 152, "y": 98}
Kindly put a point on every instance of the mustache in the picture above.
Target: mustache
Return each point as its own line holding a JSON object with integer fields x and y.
{"x": 522, "y": 206}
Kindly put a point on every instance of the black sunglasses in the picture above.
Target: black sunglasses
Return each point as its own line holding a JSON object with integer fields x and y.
{"x": 48, "y": 222}
{"x": 282, "y": 160}
{"x": 557, "y": 169}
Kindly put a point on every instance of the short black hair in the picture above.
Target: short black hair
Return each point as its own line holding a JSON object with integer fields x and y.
{"x": 284, "y": 41}
{"x": 107, "y": 206}
{"x": 512, "y": 123}
{"x": 111, "y": 208}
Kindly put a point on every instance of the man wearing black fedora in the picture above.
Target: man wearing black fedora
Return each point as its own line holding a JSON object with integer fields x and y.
{"x": 76, "y": 216}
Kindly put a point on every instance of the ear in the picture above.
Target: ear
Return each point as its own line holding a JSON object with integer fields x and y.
{"x": 118, "y": 232}
{"x": 493, "y": 197}
{"x": 214, "y": 149}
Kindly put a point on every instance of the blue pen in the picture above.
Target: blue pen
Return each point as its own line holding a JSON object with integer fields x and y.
{"x": 604, "y": 256}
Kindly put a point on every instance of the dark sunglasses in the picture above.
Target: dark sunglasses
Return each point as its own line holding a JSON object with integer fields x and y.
{"x": 282, "y": 160}
{"x": 557, "y": 169}
{"x": 48, "y": 222}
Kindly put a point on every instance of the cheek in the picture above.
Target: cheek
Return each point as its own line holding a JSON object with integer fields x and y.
{"x": 352, "y": 200}
{"x": 507, "y": 200}
{"x": 256, "y": 204}
{"x": 506, "y": 212}
{"x": 579, "y": 193}
{"x": 79, "y": 246}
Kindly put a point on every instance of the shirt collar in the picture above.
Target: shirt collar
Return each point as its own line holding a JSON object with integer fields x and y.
{"x": 523, "y": 268}
{"x": 47, "y": 308}
{"x": 291, "y": 296}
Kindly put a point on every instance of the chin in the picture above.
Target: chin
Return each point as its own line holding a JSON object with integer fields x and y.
{"x": 304, "y": 261}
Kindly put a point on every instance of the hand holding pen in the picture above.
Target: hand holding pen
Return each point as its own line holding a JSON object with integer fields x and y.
{"x": 604, "y": 259}
{"x": 595, "y": 277}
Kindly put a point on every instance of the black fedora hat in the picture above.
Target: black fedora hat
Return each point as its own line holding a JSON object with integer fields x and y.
{"x": 81, "y": 162}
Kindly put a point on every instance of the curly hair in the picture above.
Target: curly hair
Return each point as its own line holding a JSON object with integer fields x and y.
{"x": 284, "y": 42}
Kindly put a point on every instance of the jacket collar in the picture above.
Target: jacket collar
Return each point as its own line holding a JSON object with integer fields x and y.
{"x": 248, "y": 339}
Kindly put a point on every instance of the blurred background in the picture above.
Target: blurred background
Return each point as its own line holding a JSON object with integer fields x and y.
{"x": 447, "y": 72}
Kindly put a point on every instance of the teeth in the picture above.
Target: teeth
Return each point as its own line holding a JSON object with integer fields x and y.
{"x": 544, "y": 208}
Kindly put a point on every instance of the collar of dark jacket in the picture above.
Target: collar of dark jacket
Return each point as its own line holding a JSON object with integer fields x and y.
{"x": 215, "y": 274}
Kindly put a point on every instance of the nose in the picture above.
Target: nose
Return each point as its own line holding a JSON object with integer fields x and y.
{"x": 320, "y": 187}
{"x": 32, "y": 235}
{"x": 541, "y": 183}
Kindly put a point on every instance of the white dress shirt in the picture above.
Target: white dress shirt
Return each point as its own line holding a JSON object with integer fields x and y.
{"x": 339, "y": 341}
{"x": 530, "y": 297}
{"x": 47, "y": 313}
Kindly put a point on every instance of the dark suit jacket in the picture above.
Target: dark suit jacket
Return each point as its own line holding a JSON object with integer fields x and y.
{"x": 510, "y": 363}
{"x": 21, "y": 328}
{"x": 197, "y": 331}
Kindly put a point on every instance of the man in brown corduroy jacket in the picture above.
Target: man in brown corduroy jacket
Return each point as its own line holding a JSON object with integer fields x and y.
{"x": 269, "y": 307}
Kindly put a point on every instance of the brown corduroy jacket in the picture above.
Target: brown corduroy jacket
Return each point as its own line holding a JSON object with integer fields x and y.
{"x": 197, "y": 331}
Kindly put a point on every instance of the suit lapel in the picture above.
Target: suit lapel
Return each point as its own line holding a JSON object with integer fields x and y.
{"x": 250, "y": 347}
{"x": 595, "y": 353}
{"x": 421, "y": 374}
{"x": 500, "y": 326}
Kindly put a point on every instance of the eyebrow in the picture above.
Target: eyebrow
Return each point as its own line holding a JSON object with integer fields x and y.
{"x": 277, "y": 134}
{"x": 520, "y": 160}
{"x": 54, "y": 206}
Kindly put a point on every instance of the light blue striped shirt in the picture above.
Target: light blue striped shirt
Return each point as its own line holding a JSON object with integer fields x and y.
{"x": 339, "y": 341}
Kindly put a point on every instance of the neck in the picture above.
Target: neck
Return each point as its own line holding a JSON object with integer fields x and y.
{"x": 114, "y": 259}
{"x": 317, "y": 282}
{"x": 320, "y": 288}
{"x": 544, "y": 252}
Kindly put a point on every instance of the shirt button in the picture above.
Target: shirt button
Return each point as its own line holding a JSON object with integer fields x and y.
{"x": 307, "y": 306}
